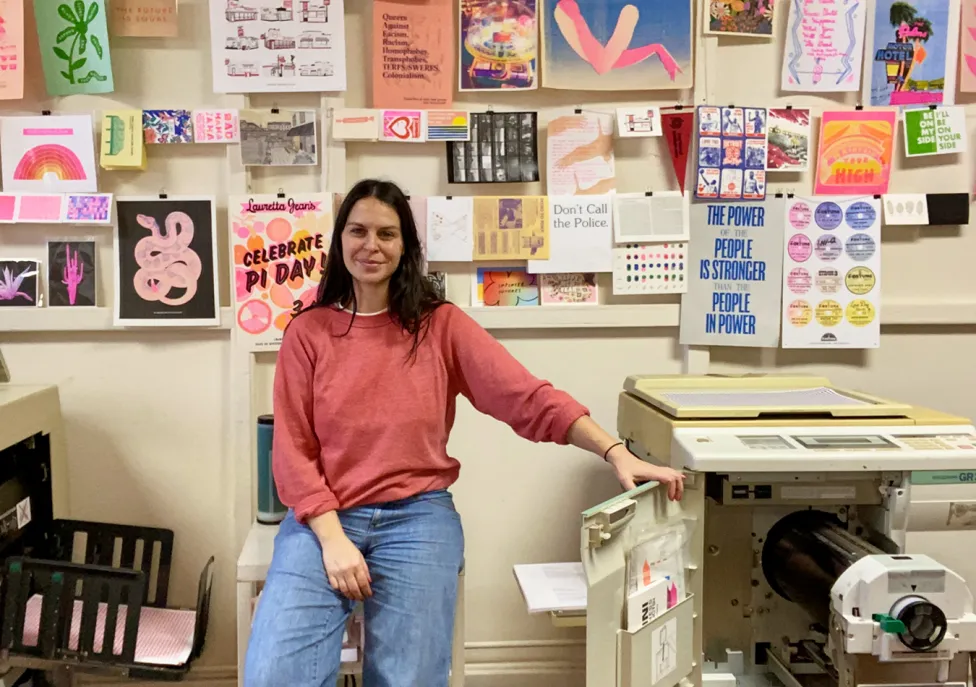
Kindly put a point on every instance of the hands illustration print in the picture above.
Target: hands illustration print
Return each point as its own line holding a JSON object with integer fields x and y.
{"x": 617, "y": 52}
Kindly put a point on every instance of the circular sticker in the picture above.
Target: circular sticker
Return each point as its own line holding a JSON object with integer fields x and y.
{"x": 829, "y": 247}
{"x": 859, "y": 280}
{"x": 829, "y": 313}
{"x": 828, "y": 215}
{"x": 860, "y": 215}
{"x": 799, "y": 247}
{"x": 798, "y": 280}
{"x": 800, "y": 215}
{"x": 828, "y": 280}
{"x": 860, "y": 312}
{"x": 860, "y": 247}
{"x": 799, "y": 313}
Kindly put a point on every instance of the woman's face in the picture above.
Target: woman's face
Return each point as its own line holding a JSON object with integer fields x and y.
{"x": 372, "y": 243}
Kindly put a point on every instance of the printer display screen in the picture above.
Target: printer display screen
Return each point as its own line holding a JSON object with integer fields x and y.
{"x": 826, "y": 442}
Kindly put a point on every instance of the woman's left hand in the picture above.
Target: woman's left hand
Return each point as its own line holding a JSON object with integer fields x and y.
{"x": 632, "y": 471}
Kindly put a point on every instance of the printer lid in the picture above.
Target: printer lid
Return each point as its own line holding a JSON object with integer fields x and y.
{"x": 756, "y": 395}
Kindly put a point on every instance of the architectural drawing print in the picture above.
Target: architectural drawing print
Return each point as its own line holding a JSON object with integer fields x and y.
{"x": 278, "y": 138}
{"x": 291, "y": 45}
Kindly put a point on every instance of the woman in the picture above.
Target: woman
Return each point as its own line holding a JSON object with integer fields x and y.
{"x": 364, "y": 400}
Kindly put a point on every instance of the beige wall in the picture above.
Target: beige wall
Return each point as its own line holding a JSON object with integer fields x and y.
{"x": 155, "y": 419}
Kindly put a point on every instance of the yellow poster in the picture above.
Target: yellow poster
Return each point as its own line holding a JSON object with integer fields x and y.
{"x": 122, "y": 140}
{"x": 511, "y": 228}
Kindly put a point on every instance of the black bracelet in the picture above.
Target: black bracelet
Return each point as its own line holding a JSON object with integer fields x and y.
{"x": 607, "y": 452}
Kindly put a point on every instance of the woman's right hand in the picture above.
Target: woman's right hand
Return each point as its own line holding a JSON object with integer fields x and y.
{"x": 346, "y": 567}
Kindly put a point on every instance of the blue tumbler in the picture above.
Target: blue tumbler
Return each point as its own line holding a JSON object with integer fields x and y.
{"x": 270, "y": 508}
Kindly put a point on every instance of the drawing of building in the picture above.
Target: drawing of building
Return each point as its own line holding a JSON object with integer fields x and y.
{"x": 314, "y": 39}
{"x": 282, "y": 67}
{"x": 240, "y": 41}
{"x": 315, "y": 69}
{"x": 283, "y": 13}
{"x": 273, "y": 40}
{"x": 238, "y": 12}
{"x": 241, "y": 68}
{"x": 315, "y": 13}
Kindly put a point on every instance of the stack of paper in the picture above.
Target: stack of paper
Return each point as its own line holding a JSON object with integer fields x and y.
{"x": 552, "y": 586}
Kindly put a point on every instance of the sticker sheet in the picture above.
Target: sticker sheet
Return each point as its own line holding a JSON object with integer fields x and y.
{"x": 824, "y": 46}
{"x": 512, "y": 228}
{"x": 20, "y": 283}
{"x": 279, "y": 247}
{"x": 264, "y": 46}
{"x": 788, "y": 146}
{"x": 73, "y": 39}
{"x": 577, "y": 288}
{"x": 579, "y": 154}
{"x": 731, "y": 153}
{"x": 935, "y": 131}
{"x": 503, "y": 148}
{"x": 54, "y": 153}
{"x": 650, "y": 268}
{"x": 278, "y": 138}
{"x": 166, "y": 262}
{"x": 413, "y": 54}
{"x": 71, "y": 275}
{"x": 734, "y": 18}
{"x": 12, "y": 50}
{"x": 832, "y": 273}
{"x": 617, "y": 45}
{"x": 498, "y": 45}
{"x": 855, "y": 152}
{"x": 916, "y": 46}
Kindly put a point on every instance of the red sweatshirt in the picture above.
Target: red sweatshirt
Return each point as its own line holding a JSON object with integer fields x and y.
{"x": 357, "y": 422}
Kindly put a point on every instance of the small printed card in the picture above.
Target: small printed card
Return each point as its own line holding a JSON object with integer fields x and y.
{"x": 216, "y": 126}
{"x": 167, "y": 126}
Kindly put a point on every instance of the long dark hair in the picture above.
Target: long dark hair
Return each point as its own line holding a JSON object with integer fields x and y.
{"x": 413, "y": 298}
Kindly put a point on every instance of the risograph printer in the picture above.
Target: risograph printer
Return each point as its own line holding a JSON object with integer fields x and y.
{"x": 812, "y": 541}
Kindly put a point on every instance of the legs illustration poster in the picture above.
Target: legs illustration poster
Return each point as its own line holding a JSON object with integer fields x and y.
{"x": 279, "y": 245}
{"x": 913, "y": 61}
{"x": 166, "y": 262}
{"x": 53, "y": 154}
{"x": 616, "y": 45}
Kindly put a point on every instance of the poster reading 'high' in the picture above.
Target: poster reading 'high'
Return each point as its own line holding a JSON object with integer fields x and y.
{"x": 280, "y": 244}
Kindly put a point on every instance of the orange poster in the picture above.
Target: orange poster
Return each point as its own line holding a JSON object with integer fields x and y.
{"x": 413, "y": 54}
{"x": 11, "y": 49}
{"x": 144, "y": 18}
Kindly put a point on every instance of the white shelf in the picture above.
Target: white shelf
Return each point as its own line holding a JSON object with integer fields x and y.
{"x": 83, "y": 320}
{"x": 255, "y": 558}
{"x": 905, "y": 312}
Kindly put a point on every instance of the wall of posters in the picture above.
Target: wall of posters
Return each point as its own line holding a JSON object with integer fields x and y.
{"x": 855, "y": 152}
{"x": 824, "y": 46}
{"x": 832, "y": 273}
{"x": 916, "y": 45}
{"x": 166, "y": 262}
{"x": 264, "y": 46}
{"x": 935, "y": 132}
{"x": 498, "y": 45}
{"x": 734, "y": 276}
{"x": 413, "y": 53}
{"x": 650, "y": 50}
{"x": 280, "y": 244}
{"x": 731, "y": 153}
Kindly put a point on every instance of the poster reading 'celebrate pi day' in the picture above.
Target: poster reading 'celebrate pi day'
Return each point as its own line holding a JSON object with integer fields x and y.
{"x": 280, "y": 243}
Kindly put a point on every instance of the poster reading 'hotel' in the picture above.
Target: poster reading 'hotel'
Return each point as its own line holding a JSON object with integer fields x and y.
{"x": 413, "y": 54}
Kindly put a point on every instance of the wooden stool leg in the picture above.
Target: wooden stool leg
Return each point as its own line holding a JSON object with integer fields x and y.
{"x": 457, "y": 648}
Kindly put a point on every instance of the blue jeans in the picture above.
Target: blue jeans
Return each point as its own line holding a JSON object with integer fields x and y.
{"x": 414, "y": 550}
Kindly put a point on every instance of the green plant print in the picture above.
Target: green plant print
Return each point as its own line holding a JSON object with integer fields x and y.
{"x": 79, "y": 19}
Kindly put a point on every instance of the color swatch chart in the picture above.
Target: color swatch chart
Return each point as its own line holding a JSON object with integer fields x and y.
{"x": 641, "y": 268}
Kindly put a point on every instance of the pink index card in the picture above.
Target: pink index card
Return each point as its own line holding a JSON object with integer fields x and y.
{"x": 40, "y": 208}
{"x": 8, "y": 208}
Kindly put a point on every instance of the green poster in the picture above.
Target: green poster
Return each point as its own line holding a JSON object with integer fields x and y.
{"x": 935, "y": 131}
{"x": 73, "y": 37}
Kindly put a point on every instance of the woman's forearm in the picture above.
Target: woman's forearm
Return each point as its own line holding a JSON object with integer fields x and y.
{"x": 589, "y": 436}
{"x": 326, "y": 526}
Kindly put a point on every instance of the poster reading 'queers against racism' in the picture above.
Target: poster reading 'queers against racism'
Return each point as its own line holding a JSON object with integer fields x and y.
{"x": 734, "y": 277}
{"x": 279, "y": 245}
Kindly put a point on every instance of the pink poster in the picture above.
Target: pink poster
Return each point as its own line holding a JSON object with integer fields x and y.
{"x": 855, "y": 152}
{"x": 967, "y": 70}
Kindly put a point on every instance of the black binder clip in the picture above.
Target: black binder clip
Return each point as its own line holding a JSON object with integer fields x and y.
{"x": 163, "y": 195}
{"x": 779, "y": 195}
{"x": 877, "y": 196}
{"x": 859, "y": 107}
{"x": 449, "y": 197}
{"x": 648, "y": 194}
{"x": 578, "y": 110}
{"x": 679, "y": 107}
{"x": 933, "y": 107}
{"x": 789, "y": 107}
{"x": 789, "y": 195}
{"x": 46, "y": 113}
{"x": 281, "y": 193}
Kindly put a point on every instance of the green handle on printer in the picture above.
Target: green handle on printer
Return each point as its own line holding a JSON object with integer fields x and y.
{"x": 889, "y": 624}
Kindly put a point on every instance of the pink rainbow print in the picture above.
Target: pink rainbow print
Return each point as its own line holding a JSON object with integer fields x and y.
{"x": 47, "y": 159}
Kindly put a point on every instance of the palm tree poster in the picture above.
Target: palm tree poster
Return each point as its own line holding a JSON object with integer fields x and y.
{"x": 913, "y": 61}
{"x": 616, "y": 45}
{"x": 73, "y": 38}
